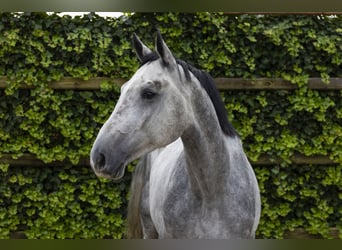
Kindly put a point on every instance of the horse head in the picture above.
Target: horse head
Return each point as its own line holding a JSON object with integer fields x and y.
{"x": 151, "y": 112}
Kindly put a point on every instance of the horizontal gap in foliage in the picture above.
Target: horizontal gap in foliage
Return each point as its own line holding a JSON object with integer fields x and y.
{"x": 29, "y": 160}
{"x": 300, "y": 233}
{"x": 221, "y": 83}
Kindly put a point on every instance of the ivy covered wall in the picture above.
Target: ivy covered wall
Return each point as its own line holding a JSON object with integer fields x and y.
{"x": 70, "y": 202}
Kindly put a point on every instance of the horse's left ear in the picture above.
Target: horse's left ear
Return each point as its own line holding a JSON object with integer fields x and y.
{"x": 164, "y": 52}
{"x": 140, "y": 49}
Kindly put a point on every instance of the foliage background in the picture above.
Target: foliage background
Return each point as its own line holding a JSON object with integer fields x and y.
{"x": 70, "y": 202}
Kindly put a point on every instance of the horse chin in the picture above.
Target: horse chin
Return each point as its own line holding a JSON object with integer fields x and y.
{"x": 119, "y": 176}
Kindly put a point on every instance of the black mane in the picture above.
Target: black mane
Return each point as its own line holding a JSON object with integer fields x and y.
{"x": 207, "y": 82}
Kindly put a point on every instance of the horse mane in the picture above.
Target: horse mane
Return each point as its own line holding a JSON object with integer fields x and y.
{"x": 208, "y": 83}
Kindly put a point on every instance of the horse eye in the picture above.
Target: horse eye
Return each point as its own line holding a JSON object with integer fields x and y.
{"x": 148, "y": 94}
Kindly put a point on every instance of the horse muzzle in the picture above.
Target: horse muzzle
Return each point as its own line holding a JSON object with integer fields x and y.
{"x": 108, "y": 164}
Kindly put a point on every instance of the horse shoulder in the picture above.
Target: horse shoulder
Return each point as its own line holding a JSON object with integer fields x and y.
{"x": 243, "y": 187}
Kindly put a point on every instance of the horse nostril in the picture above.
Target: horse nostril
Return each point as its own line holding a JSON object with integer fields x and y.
{"x": 100, "y": 161}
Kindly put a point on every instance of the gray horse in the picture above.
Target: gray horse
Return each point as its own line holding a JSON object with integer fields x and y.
{"x": 193, "y": 179}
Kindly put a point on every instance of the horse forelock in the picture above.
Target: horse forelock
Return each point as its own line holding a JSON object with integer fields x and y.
{"x": 208, "y": 83}
{"x": 149, "y": 58}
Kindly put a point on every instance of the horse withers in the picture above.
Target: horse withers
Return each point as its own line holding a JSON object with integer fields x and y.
{"x": 193, "y": 179}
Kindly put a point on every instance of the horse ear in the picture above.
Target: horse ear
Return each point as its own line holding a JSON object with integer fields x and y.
{"x": 164, "y": 52}
{"x": 140, "y": 49}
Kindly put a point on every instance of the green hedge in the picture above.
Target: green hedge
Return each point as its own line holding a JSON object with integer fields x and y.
{"x": 70, "y": 202}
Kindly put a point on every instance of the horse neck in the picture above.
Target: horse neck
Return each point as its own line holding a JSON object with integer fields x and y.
{"x": 205, "y": 149}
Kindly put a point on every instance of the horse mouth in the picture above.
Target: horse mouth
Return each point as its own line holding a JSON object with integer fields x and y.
{"x": 111, "y": 174}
